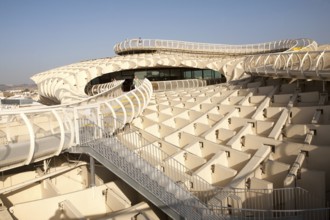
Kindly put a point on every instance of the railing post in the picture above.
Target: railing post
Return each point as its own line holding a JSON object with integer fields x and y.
{"x": 99, "y": 119}
{"x": 32, "y": 138}
{"x": 76, "y": 125}
{"x": 92, "y": 171}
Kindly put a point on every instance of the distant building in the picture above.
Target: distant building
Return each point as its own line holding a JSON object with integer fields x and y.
{"x": 20, "y": 101}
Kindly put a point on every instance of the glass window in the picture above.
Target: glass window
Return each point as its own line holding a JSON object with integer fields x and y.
{"x": 198, "y": 74}
{"x": 141, "y": 74}
{"x": 152, "y": 75}
{"x": 166, "y": 73}
{"x": 187, "y": 74}
{"x": 217, "y": 74}
{"x": 176, "y": 74}
{"x": 207, "y": 74}
{"x": 161, "y": 74}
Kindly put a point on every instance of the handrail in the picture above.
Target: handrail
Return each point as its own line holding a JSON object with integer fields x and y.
{"x": 177, "y": 84}
{"x": 101, "y": 92}
{"x": 151, "y": 152}
{"x": 301, "y": 65}
{"x": 260, "y": 200}
{"x": 139, "y": 44}
{"x": 22, "y": 129}
{"x": 97, "y": 89}
{"x": 100, "y": 88}
{"x": 140, "y": 173}
{"x": 159, "y": 86}
{"x": 262, "y": 214}
{"x": 133, "y": 140}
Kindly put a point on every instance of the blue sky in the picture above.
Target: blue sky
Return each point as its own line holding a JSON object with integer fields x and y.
{"x": 38, "y": 35}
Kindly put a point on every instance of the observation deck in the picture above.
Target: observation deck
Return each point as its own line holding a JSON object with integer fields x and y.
{"x": 156, "y": 45}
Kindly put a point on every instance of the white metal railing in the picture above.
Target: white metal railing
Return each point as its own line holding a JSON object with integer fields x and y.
{"x": 304, "y": 65}
{"x": 261, "y": 214}
{"x": 263, "y": 199}
{"x": 139, "y": 44}
{"x": 237, "y": 203}
{"x": 104, "y": 87}
{"x": 99, "y": 93}
{"x": 141, "y": 172}
{"x": 177, "y": 84}
{"x": 34, "y": 134}
{"x": 183, "y": 84}
{"x": 132, "y": 139}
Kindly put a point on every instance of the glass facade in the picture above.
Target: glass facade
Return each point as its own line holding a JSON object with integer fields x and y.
{"x": 163, "y": 74}
{"x": 159, "y": 74}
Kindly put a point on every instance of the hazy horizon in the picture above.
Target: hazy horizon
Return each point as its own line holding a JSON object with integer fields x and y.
{"x": 37, "y": 35}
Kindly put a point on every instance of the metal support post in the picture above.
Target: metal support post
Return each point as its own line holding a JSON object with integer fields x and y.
{"x": 92, "y": 171}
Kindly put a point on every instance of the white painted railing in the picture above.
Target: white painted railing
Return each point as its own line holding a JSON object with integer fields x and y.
{"x": 104, "y": 87}
{"x": 177, "y": 84}
{"x": 31, "y": 135}
{"x": 139, "y": 44}
{"x": 143, "y": 163}
{"x": 301, "y": 65}
{"x": 147, "y": 169}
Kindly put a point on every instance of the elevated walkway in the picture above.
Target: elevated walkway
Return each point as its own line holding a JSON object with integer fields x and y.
{"x": 138, "y": 44}
{"x": 30, "y": 135}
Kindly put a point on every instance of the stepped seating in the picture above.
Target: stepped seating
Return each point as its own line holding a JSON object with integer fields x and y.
{"x": 273, "y": 172}
{"x": 216, "y": 170}
{"x": 244, "y": 136}
{"x": 189, "y": 160}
